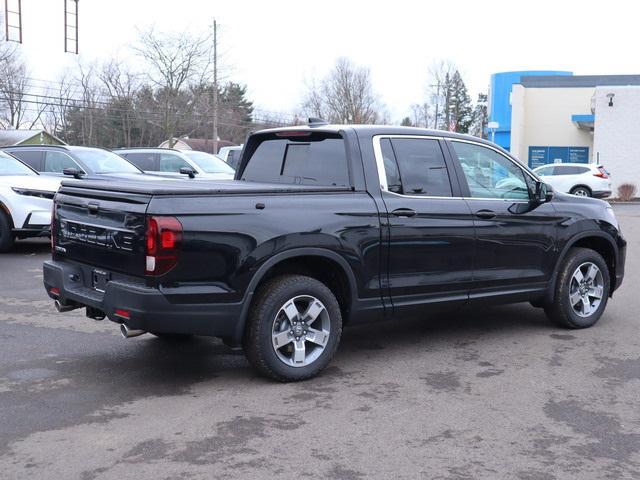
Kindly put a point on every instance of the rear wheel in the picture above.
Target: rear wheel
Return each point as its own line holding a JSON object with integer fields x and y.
{"x": 6, "y": 235}
{"x": 581, "y": 191}
{"x": 582, "y": 290}
{"x": 294, "y": 328}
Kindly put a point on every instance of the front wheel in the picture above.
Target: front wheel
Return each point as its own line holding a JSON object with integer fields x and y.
{"x": 582, "y": 290}
{"x": 294, "y": 328}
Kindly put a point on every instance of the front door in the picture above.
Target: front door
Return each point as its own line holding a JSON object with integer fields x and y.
{"x": 431, "y": 231}
{"x": 515, "y": 250}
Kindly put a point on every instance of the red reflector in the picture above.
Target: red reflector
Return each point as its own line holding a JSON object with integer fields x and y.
{"x": 54, "y": 291}
{"x": 168, "y": 239}
{"x": 293, "y": 134}
{"x": 122, "y": 313}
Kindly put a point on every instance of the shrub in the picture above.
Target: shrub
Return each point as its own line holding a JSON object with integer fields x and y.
{"x": 627, "y": 191}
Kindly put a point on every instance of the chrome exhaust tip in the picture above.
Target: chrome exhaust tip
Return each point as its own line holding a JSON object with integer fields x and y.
{"x": 60, "y": 307}
{"x": 129, "y": 333}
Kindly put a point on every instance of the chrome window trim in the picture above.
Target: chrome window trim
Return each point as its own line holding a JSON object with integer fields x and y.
{"x": 382, "y": 174}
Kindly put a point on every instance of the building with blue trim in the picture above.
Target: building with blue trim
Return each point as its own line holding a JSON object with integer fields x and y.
{"x": 557, "y": 117}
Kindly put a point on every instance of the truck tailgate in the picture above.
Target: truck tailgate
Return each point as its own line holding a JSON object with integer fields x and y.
{"x": 101, "y": 228}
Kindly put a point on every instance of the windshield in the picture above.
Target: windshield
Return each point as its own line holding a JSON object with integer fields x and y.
{"x": 103, "y": 161}
{"x": 11, "y": 166}
{"x": 209, "y": 163}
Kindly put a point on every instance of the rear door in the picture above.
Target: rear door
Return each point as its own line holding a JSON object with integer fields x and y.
{"x": 431, "y": 230}
{"x": 515, "y": 249}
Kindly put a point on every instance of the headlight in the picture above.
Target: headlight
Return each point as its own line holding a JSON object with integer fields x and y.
{"x": 33, "y": 193}
{"x": 611, "y": 217}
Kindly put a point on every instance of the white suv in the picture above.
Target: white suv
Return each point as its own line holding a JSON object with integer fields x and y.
{"x": 26, "y": 199}
{"x": 582, "y": 179}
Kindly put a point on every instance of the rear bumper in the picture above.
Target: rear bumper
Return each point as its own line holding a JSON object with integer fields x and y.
{"x": 148, "y": 309}
{"x": 601, "y": 193}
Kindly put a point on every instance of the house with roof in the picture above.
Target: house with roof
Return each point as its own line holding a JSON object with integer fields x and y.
{"x": 199, "y": 144}
{"x": 12, "y": 137}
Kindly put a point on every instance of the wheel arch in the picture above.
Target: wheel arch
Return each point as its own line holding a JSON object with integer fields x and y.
{"x": 594, "y": 240}
{"x": 5, "y": 209}
{"x": 324, "y": 265}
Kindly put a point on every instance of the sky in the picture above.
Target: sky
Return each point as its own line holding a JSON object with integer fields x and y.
{"x": 277, "y": 47}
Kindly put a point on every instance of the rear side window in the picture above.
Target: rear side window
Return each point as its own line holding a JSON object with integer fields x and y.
{"x": 33, "y": 158}
{"x": 569, "y": 170}
{"x": 421, "y": 168}
{"x": 312, "y": 159}
{"x": 142, "y": 160}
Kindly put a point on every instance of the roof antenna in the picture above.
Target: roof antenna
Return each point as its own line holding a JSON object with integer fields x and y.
{"x": 317, "y": 122}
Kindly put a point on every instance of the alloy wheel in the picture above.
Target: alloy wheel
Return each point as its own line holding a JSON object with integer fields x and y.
{"x": 300, "y": 331}
{"x": 586, "y": 289}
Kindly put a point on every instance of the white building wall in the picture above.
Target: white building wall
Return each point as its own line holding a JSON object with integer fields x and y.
{"x": 617, "y": 134}
{"x": 542, "y": 117}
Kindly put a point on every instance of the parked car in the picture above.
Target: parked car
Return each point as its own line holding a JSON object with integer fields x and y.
{"x": 26, "y": 200}
{"x": 327, "y": 226}
{"x": 582, "y": 179}
{"x": 231, "y": 155}
{"x": 86, "y": 162}
{"x": 185, "y": 163}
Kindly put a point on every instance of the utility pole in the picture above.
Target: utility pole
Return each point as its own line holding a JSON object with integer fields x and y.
{"x": 435, "y": 121}
{"x": 215, "y": 86}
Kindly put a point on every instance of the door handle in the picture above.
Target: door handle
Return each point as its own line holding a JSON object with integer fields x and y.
{"x": 486, "y": 214}
{"x": 404, "y": 212}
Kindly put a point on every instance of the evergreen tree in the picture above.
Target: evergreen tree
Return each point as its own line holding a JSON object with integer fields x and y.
{"x": 480, "y": 117}
{"x": 406, "y": 122}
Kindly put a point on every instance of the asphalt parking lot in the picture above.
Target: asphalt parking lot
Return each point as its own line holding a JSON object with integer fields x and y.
{"x": 493, "y": 394}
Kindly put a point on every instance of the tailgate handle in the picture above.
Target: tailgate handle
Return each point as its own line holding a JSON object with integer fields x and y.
{"x": 93, "y": 207}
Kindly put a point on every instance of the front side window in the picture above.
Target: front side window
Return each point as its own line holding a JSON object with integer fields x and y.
{"x": 490, "y": 174}
{"x": 415, "y": 166}
{"x": 103, "y": 161}
{"x": 209, "y": 163}
{"x": 170, "y": 162}
{"x": 56, "y": 162}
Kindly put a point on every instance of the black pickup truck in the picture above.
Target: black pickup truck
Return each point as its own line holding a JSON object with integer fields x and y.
{"x": 325, "y": 226}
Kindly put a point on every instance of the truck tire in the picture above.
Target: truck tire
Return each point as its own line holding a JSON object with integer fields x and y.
{"x": 293, "y": 329}
{"x": 6, "y": 235}
{"x": 581, "y": 291}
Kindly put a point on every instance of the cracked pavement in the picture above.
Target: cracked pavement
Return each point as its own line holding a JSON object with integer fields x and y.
{"x": 496, "y": 393}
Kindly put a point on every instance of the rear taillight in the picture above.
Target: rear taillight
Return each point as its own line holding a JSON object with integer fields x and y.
{"x": 162, "y": 244}
{"x": 53, "y": 228}
{"x": 602, "y": 173}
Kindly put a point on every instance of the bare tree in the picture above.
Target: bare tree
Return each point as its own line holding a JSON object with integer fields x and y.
{"x": 175, "y": 62}
{"x": 15, "y": 94}
{"x": 120, "y": 85}
{"x": 345, "y": 95}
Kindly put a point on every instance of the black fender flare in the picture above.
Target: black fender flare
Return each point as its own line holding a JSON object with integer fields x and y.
{"x": 570, "y": 243}
{"x": 273, "y": 261}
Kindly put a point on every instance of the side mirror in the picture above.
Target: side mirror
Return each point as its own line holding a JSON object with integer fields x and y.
{"x": 188, "y": 171}
{"x": 73, "y": 172}
{"x": 544, "y": 192}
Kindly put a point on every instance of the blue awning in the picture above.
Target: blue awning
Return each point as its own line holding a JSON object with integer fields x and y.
{"x": 584, "y": 122}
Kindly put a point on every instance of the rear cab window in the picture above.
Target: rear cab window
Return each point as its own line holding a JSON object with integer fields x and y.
{"x": 298, "y": 158}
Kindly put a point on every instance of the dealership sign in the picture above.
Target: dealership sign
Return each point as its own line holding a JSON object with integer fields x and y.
{"x": 539, "y": 156}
